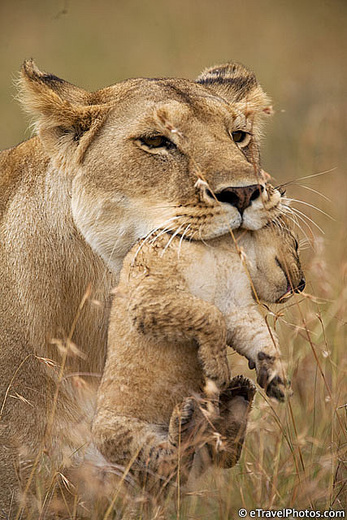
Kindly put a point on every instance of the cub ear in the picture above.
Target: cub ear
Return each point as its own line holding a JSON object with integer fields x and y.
{"x": 237, "y": 85}
{"x": 63, "y": 113}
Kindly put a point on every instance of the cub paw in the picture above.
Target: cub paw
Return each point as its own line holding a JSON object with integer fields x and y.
{"x": 268, "y": 369}
{"x": 239, "y": 386}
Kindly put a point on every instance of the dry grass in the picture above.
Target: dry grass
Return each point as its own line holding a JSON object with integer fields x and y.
{"x": 295, "y": 453}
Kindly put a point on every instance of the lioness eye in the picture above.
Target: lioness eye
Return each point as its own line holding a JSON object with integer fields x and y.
{"x": 241, "y": 137}
{"x": 157, "y": 141}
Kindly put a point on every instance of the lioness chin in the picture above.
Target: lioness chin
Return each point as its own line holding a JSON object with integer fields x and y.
{"x": 105, "y": 169}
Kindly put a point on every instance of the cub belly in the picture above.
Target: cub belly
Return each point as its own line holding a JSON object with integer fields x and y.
{"x": 146, "y": 379}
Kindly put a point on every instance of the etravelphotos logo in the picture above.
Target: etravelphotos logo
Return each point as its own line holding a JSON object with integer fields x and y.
{"x": 289, "y": 513}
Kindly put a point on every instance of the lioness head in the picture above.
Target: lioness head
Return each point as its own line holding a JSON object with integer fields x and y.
{"x": 273, "y": 261}
{"x": 156, "y": 153}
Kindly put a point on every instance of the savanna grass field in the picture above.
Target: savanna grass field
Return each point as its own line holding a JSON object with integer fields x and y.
{"x": 295, "y": 453}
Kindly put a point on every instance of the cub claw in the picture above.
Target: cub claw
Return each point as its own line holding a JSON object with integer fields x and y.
{"x": 239, "y": 386}
{"x": 268, "y": 378}
{"x": 276, "y": 389}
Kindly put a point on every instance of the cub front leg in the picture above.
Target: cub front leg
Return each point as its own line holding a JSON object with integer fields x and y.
{"x": 249, "y": 335}
{"x": 164, "y": 309}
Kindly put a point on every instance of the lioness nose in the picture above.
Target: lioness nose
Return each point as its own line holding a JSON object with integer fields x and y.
{"x": 301, "y": 286}
{"x": 240, "y": 197}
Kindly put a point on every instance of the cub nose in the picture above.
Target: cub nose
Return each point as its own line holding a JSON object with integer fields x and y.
{"x": 301, "y": 286}
{"x": 240, "y": 197}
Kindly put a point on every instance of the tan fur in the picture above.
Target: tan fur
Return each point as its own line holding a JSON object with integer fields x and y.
{"x": 74, "y": 200}
{"x": 177, "y": 306}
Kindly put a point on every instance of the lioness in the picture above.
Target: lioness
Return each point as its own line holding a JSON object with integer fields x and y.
{"x": 177, "y": 306}
{"x": 105, "y": 169}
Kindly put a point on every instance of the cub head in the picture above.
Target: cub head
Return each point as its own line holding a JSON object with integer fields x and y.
{"x": 156, "y": 153}
{"x": 274, "y": 262}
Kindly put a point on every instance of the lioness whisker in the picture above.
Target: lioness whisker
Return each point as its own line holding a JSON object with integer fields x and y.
{"x": 294, "y": 218}
{"x": 192, "y": 235}
{"x": 180, "y": 242}
{"x": 294, "y": 181}
{"x": 201, "y": 239}
{"x": 314, "y": 191}
{"x": 168, "y": 206}
{"x": 146, "y": 237}
{"x": 165, "y": 223}
{"x": 303, "y": 215}
{"x": 297, "y": 223}
{"x": 140, "y": 247}
{"x": 162, "y": 232}
{"x": 311, "y": 206}
{"x": 277, "y": 221}
{"x": 304, "y": 222}
{"x": 304, "y": 244}
{"x": 171, "y": 239}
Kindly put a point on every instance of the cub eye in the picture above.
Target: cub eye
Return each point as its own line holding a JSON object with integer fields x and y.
{"x": 241, "y": 138}
{"x": 157, "y": 141}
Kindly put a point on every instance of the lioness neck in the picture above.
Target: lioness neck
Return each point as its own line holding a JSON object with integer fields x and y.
{"x": 47, "y": 263}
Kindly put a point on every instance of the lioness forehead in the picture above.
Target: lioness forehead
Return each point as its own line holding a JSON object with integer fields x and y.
{"x": 185, "y": 91}
{"x": 155, "y": 90}
{"x": 185, "y": 105}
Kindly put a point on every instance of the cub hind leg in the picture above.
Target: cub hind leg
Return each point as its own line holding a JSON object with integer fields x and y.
{"x": 225, "y": 435}
{"x": 152, "y": 453}
{"x": 234, "y": 404}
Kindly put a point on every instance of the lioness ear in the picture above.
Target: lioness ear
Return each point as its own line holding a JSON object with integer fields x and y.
{"x": 237, "y": 85}
{"x": 65, "y": 119}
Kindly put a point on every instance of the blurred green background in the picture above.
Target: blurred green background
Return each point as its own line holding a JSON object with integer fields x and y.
{"x": 298, "y": 50}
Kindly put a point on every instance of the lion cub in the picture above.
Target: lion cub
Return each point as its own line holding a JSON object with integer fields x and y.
{"x": 177, "y": 306}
